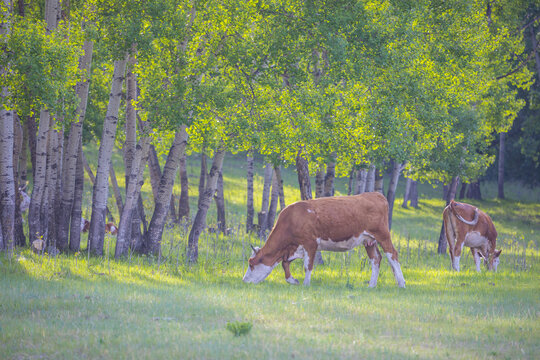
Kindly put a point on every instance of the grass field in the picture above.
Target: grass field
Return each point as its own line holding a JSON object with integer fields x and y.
{"x": 144, "y": 307}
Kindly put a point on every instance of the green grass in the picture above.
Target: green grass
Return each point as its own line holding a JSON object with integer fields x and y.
{"x": 145, "y": 307}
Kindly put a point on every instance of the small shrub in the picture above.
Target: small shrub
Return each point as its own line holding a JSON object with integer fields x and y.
{"x": 239, "y": 328}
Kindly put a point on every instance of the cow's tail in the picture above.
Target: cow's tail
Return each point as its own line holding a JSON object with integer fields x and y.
{"x": 473, "y": 222}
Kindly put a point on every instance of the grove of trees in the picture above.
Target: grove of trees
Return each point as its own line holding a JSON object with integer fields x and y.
{"x": 333, "y": 88}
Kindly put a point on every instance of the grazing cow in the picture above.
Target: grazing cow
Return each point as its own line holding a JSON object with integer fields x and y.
{"x": 109, "y": 227}
{"x": 333, "y": 224}
{"x": 478, "y": 233}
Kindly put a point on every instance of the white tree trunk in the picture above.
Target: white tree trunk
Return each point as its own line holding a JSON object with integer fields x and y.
{"x": 101, "y": 186}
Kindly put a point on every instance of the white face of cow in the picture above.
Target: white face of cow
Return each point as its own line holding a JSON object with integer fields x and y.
{"x": 257, "y": 271}
{"x": 496, "y": 260}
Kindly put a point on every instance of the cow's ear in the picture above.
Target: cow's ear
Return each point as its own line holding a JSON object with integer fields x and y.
{"x": 497, "y": 253}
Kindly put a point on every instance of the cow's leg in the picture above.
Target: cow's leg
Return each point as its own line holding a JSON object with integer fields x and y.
{"x": 386, "y": 243}
{"x": 450, "y": 234}
{"x": 309, "y": 257}
{"x": 375, "y": 260}
{"x": 288, "y": 276}
{"x": 477, "y": 258}
{"x": 458, "y": 248}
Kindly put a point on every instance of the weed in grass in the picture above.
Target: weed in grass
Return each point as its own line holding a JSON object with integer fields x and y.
{"x": 239, "y": 328}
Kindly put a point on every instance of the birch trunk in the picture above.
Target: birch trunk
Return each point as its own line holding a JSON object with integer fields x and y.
{"x": 32, "y": 143}
{"x": 7, "y": 181}
{"x": 40, "y": 171}
{"x": 379, "y": 181}
{"x": 101, "y": 186}
{"x": 352, "y": 175}
{"x": 72, "y": 150}
{"x": 90, "y": 174}
{"x": 329, "y": 179}
{"x": 116, "y": 190}
{"x": 391, "y": 194}
{"x": 319, "y": 183}
{"x": 263, "y": 214}
{"x": 414, "y": 194}
{"x": 76, "y": 208}
{"x": 500, "y": 187}
{"x": 200, "y": 219}
{"x": 183, "y": 203}
{"x": 282, "y": 205}
{"x": 202, "y": 177}
{"x": 163, "y": 200}
{"x": 302, "y": 169}
{"x": 135, "y": 182}
{"x": 441, "y": 249}
{"x": 23, "y": 157}
{"x": 407, "y": 193}
{"x": 250, "y": 206}
{"x": 220, "y": 205}
{"x": 463, "y": 190}
{"x": 155, "y": 170}
{"x": 273, "y": 203}
{"x": 361, "y": 181}
{"x": 20, "y": 239}
{"x": 370, "y": 179}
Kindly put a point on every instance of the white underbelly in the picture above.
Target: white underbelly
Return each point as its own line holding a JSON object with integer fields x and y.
{"x": 344, "y": 245}
{"x": 475, "y": 240}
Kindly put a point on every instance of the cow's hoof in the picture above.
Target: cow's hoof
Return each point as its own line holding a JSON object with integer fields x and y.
{"x": 293, "y": 281}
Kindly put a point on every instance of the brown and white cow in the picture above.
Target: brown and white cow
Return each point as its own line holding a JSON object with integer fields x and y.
{"x": 466, "y": 225}
{"x": 333, "y": 224}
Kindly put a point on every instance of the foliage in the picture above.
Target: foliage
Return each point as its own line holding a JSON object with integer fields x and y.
{"x": 239, "y": 328}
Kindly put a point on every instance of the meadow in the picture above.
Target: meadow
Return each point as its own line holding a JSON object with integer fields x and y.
{"x": 75, "y": 306}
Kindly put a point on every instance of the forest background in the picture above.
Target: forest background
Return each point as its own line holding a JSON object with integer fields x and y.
{"x": 151, "y": 98}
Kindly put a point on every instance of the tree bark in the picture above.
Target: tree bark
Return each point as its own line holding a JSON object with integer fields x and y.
{"x": 414, "y": 194}
{"x": 282, "y": 205}
{"x": 463, "y": 190}
{"x": 32, "y": 142}
{"x": 163, "y": 200}
{"x": 116, "y": 190}
{"x": 391, "y": 194}
{"x": 500, "y": 188}
{"x": 183, "y": 203}
{"x": 72, "y": 151}
{"x": 7, "y": 181}
{"x": 202, "y": 177}
{"x": 379, "y": 183}
{"x": 361, "y": 181}
{"x": 155, "y": 170}
{"x": 96, "y": 234}
{"x": 534, "y": 46}
{"x": 474, "y": 191}
{"x": 250, "y": 205}
{"x": 370, "y": 179}
{"x": 407, "y": 193}
{"x": 20, "y": 239}
{"x": 263, "y": 214}
{"x": 273, "y": 202}
{"x": 76, "y": 208}
{"x": 329, "y": 179}
{"x": 441, "y": 249}
{"x": 319, "y": 183}
{"x": 204, "y": 203}
{"x": 135, "y": 181}
{"x": 23, "y": 157}
{"x": 40, "y": 171}
{"x": 220, "y": 205}
{"x": 90, "y": 174}
{"x": 302, "y": 169}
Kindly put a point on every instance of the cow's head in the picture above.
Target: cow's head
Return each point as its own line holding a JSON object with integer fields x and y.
{"x": 495, "y": 261}
{"x": 492, "y": 263}
{"x": 257, "y": 271}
